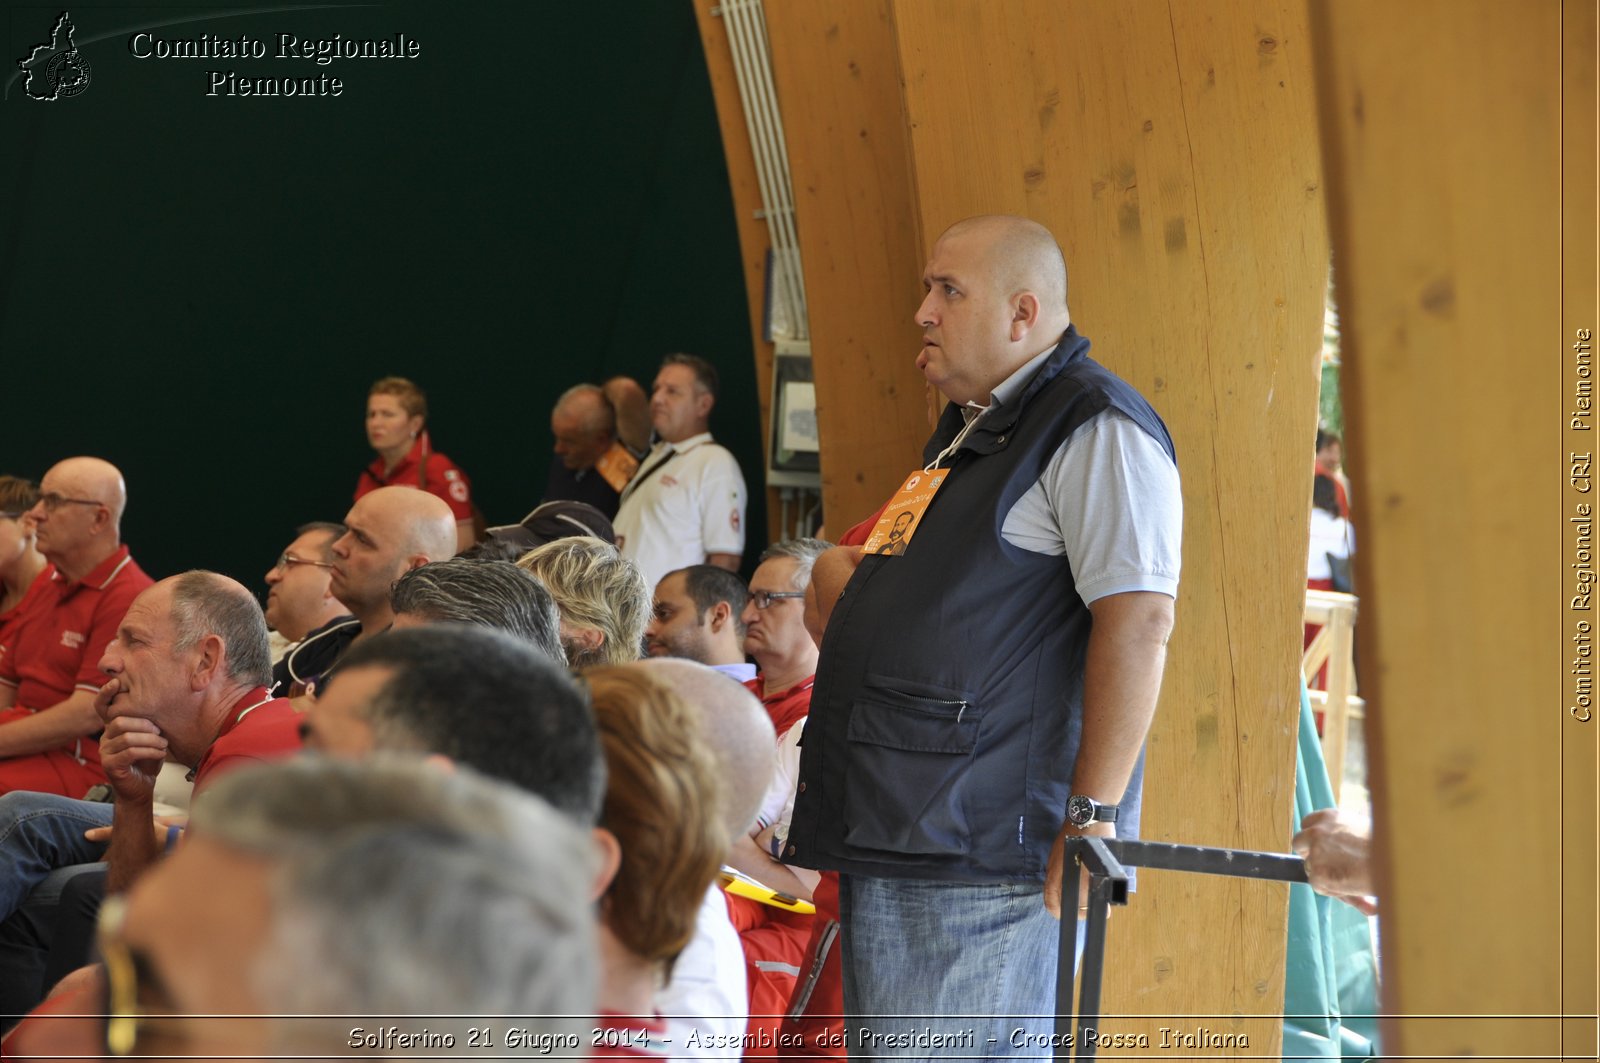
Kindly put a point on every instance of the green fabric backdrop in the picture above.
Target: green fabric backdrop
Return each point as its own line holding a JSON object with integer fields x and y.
{"x": 200, "y": 289}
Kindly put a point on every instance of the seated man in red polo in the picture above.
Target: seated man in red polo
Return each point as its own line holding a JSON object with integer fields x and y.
{"x": 775, "y": 630}
{"x": 776, "y": 636}
{"x": 186, "y": 678}
{"x": 49, "y": 672}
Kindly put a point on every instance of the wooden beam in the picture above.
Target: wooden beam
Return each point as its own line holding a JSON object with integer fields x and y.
{"x": 754, "y": 241}
{"x": 838, "y": 78}
{"x": 1173, "y": 152}
{"x": 1442, "y": 126}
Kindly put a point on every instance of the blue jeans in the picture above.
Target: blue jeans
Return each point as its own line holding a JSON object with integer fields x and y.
{"x": 40, "y": 833}
{"x": 939, "y": 969}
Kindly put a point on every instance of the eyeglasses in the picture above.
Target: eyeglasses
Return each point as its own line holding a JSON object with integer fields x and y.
{"x": 127, "y": 1021}
{"x": 122, "y": 980}
{"x": 52, "y": 502}
{"x": 766, "y": 598}
{"x": 286, "y": 561}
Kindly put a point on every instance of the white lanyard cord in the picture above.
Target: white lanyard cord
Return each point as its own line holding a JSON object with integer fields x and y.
{"x": 954, "y": 443}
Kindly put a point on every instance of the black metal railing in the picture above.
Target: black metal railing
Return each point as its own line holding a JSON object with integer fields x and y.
{"x": 1107, "y": 860}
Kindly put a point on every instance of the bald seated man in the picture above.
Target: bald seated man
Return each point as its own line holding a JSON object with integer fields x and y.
{"x": 1020, "y": 633}
{"x": 49, "y": 675}
{"x": 388, "y": 532}
{"x": 708, "y": 992}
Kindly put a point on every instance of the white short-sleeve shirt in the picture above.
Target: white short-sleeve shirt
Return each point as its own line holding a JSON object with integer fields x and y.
{"x": 682, "y": 507}
{"x": 708, "y": 993}
{"x": 1109, "y": 501}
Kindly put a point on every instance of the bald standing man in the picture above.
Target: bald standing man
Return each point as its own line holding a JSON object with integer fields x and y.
{"x": 986, "y": 691}
{"x": 48, "y": 674}
{"x": 388, "y": 532}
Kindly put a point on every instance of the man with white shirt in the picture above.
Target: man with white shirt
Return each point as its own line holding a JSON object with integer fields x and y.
{"x": 696, "y": 616}
{"x": 686, "y": 504}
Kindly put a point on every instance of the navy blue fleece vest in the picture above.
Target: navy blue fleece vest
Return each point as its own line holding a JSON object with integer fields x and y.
{"x": 947, "y": 710}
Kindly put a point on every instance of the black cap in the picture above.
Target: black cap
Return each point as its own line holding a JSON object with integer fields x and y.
{"x": 552, "y": 521}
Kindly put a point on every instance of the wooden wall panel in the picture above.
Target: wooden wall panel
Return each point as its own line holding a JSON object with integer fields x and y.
{"x": 754, "y": 240}
{"x": 1173, "y": 152}
{"x": 838, "y": 81}
{"x": 1442, "y": 129}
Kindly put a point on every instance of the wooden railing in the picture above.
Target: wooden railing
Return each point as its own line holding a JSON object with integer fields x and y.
{"x": 1335, "y": 697}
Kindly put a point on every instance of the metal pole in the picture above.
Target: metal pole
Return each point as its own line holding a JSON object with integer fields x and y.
{"x": 1067, "y": 955}
{"x": 1094, "y": 955}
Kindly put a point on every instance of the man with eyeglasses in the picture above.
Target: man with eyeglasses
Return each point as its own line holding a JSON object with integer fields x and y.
{"x": 775, "y": 944}
{"x": 299, "y": 588}
{"x": 49, "y": 673}
{"x": 775, "y": 630}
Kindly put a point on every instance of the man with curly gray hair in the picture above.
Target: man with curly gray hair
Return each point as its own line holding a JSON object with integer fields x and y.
{"x": 493, "y": 594}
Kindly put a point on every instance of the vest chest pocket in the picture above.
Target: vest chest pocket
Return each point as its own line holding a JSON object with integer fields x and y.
{"x": 910, "y": 757}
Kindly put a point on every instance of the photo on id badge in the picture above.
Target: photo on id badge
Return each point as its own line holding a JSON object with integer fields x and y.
{"x": 895, "y": 544}
{"x": 893, "y": 533}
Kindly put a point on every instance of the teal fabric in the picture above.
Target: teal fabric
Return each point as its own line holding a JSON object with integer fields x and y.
{"x": 1331, "y": 979}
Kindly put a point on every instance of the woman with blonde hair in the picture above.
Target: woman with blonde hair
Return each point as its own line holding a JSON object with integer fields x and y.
{"x": 602, "y": 597}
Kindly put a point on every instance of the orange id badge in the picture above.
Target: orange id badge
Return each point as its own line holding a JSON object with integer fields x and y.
{"x": 903, "y": 515}
{"x": 616, "y": 467}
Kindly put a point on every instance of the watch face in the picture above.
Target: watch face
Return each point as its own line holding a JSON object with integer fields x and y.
{"x": 1080, "y": 810}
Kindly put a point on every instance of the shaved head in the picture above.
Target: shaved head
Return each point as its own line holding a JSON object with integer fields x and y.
{"x": 1020, "y": 255}
{"x": 388, "y": 532}
{"x": 421, "y": 520}
{"x": 93, "y": 478}
{"x": 78, "y": 515}
{"x": 996, "y": 297}
{"x": 734, "y": 725}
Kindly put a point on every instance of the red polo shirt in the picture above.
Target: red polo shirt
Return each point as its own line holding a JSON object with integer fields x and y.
{"x": 11, "y": 618}
{"x": 425, "y": 468}
{"x": 786, "y": 707}
{"x": 257, "y": 727}
{"x": 55, "y": 647}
